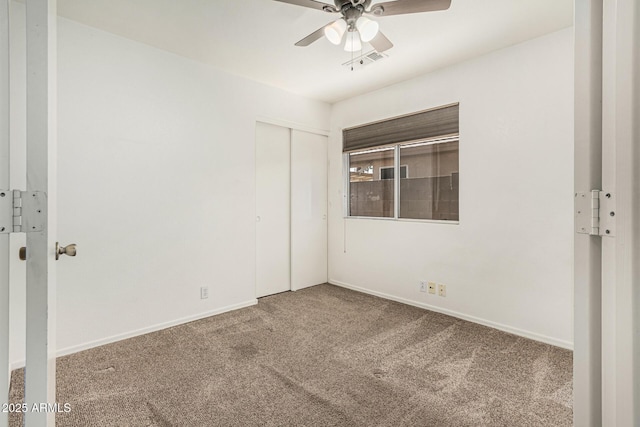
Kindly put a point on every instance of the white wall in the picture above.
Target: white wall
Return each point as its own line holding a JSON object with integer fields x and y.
{"x": 508, "y": 263}
{"x": 156, "y": 186}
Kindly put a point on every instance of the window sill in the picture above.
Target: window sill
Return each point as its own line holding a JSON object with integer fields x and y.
{"x": 428, "y": 221}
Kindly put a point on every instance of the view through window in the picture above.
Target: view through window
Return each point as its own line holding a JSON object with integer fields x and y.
{"x": 371, "y": 195}
{"x": 430, "y": 192}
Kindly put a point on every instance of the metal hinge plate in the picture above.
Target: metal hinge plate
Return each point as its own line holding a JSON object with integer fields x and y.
{"x": 22, "y": 211}
{"x": 595, "y": 213}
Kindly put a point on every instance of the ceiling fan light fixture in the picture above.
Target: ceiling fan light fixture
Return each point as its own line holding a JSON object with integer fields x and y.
{"x": 353, "y": 42}
{"x": 335, "y": 31}
{"x": 367, "y": 28}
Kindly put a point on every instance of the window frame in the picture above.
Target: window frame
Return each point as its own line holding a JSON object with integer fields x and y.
{"x": 396, "y": 207}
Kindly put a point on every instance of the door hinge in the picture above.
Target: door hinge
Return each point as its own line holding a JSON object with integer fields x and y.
{"x": 22, "y": 211}
{"x": 596, "y": 213}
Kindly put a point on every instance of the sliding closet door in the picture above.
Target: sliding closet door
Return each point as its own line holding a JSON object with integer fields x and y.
{"x": 308, "y": 209}
{"x": 273, "y": 183}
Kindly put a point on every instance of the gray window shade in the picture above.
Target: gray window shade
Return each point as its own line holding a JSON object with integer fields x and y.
{"x": 426, "y": 124}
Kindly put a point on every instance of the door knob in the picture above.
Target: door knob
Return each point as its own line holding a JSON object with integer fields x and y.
{"x": 69, "y": 250}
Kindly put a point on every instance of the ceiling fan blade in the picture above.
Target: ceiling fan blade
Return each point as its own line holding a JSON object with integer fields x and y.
{"x": 313, "y": 4}
{"x": 316, "y": 35}
{"x": 400, "y": 7}
{"x": 380, "y": 42}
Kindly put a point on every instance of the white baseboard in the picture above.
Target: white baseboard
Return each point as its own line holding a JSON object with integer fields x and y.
{"x": 92, "y": 344}
{"x": 520, "y": 332}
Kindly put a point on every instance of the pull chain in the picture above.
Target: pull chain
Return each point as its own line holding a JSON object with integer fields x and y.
{"x": 352, "y": 49}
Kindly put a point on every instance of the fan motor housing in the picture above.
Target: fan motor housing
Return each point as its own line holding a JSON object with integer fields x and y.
{"x": 346, "y": 4}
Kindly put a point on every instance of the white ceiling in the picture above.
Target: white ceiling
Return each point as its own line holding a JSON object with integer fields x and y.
{"x": 255, "y": 38}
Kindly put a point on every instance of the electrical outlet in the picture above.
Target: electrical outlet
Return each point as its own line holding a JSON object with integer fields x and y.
{"x": 442, "y": 290}
{"x": 423, "y": 286}
{"x": 204, "y": 292}
{"x": 432, "y": 287}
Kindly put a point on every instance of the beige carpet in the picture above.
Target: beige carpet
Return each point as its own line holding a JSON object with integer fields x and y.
{"x": 324, "y": 356}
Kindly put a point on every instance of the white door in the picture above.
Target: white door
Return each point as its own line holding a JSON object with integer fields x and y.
{"x": 620, "y": 179}
{"x": 308, "y": 209}
{"x": 40, "y": 372}
{"x": 37, "y": 203}
{"x": 4, "y": 195}
{"x": 273, "y": 183}
{"x": 607, "y": 273}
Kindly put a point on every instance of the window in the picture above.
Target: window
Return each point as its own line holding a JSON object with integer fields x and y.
{"x": 369, "y": 194}
{"x": 432, "y": 190}
{"x": 389, "y": 172}
{"x": 390, "y": 149}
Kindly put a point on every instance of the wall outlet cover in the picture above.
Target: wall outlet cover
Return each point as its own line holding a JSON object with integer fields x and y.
{"x": 204, "y": 292}
{"x": 442, "y": 290}
{"x": 432, "y": 287}
{"x": 423, "y": 286}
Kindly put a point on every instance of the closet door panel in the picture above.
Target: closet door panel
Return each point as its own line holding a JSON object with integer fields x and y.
{"x": 308, "y": 209}
{"x": 273, "y": 182}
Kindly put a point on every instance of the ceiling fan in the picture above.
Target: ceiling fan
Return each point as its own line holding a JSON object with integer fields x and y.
{"x": 358, "y": 27}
